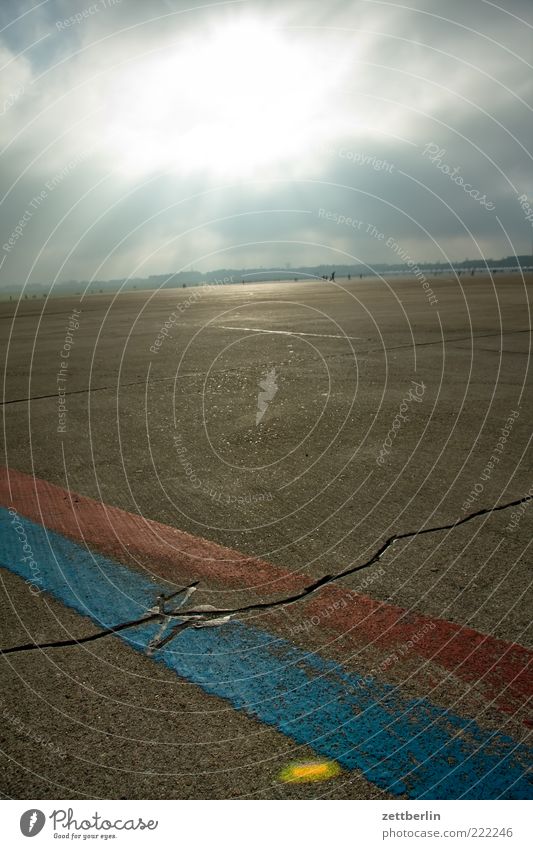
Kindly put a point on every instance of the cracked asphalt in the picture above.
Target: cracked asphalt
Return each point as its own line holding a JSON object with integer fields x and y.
{"x": 171, "y": 433}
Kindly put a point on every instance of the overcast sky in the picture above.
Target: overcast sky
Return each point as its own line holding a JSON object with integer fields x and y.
{"x": 140, "y": 138}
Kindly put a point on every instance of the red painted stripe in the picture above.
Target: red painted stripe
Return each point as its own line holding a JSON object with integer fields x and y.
{"x": 498, "y": 669}
{"x": 128, "y": 537}
{"x": 501, "y": 670}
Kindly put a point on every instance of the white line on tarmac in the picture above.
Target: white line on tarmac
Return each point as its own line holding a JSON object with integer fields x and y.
{"x": 286, "y": 332}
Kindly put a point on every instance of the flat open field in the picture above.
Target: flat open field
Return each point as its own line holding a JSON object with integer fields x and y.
{"x": 302, "y": 425}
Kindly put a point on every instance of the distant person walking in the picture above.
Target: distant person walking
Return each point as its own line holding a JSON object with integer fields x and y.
{"x": 332, "y": 278}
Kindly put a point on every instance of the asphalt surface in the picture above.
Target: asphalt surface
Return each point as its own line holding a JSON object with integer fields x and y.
{"x": 380, "y": 414}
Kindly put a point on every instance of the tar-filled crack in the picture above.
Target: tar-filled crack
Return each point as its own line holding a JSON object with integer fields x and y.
{"x": 205, "y": 615}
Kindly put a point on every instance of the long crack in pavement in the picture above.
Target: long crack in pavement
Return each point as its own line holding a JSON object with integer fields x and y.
{"x": 208, "y": 616}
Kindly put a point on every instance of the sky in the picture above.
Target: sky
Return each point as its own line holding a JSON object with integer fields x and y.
{"x": 143, "y": 138}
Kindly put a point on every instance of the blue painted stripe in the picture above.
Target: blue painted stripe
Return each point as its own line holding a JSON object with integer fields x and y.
{"x": 402, "y": 745}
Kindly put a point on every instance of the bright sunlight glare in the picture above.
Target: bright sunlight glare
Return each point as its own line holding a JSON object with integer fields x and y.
{"x": 230, "y": 103}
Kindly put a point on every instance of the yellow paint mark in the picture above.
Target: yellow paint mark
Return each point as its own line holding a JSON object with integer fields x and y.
{"x": 310, "y": 771}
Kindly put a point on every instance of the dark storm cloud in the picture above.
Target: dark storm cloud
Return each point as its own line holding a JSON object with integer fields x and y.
{"x": 428, "y": 97}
